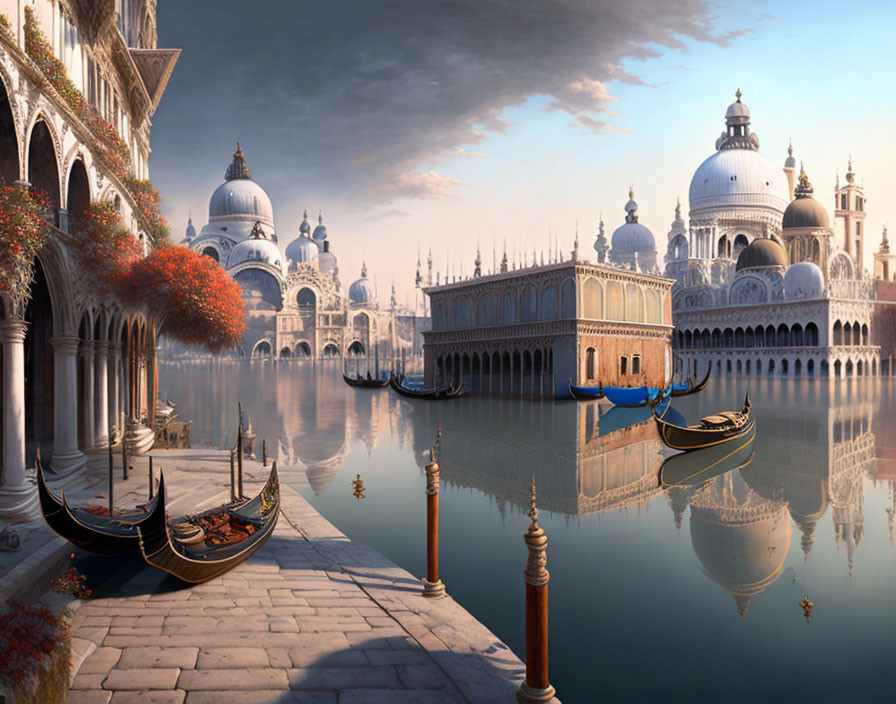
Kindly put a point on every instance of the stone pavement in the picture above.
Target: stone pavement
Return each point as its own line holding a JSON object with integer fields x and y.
{"x": 311, "y": 617}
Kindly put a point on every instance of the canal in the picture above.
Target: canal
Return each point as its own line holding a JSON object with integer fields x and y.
{"x": 689, "y": 593}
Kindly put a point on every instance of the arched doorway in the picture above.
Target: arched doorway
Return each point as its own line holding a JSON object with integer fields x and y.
{"x": 356, "y": 348}
{"x": 331, "y": 350}
{"x": 303, "y": 350}
{"x": 9, "y": 144}
{"x": 39, "y": 394}
{"x": 43, "y": 172}
{"x": 262, "y": 349}
{"x": 78, "y": 197}
{"x": 285, "y": 353}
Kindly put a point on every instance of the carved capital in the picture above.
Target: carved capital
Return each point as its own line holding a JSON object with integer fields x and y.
{"x": 536, "y": 572}
{"x": 432, "y": 478}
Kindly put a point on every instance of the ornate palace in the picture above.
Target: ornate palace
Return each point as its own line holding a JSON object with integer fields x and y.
{"x": 78, "y": 367}
{"x": 295, "y": 303}
{"x": 532, "y": 330}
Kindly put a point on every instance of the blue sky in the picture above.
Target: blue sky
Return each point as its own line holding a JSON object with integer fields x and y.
{"x": 820, "y": 77}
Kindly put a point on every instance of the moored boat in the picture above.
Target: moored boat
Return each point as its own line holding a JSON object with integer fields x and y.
{"x": 710, "y": 431}
{"x": 689, "y": 387}
{"x": 202, "y": 546}
{"x": 366, "y": 383}
{"x": 697, "y": 467}
{"x": 632, "y": 397}
{"x": 396, "y": 383}
{"x": 585, "y": 393}
{"x": 92, "y": 532}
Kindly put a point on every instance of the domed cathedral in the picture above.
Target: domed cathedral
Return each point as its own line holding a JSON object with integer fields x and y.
{"x": 632, "y": 245}
{"x": 295, "y": 304}
{"x": 765, "y": 286}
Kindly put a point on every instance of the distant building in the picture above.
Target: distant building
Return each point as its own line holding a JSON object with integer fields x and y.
{"x": 531, "y": 331}
{"x": 295, "y": 304}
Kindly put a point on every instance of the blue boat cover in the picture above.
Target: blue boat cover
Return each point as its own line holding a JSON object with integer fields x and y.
{"x": 622, "y": 396}
{"x": 587, "y": 390}
{"x": 681, "y": 386}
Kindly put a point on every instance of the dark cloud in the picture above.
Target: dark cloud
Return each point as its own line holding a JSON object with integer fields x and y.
{"x": 364, "y": 98}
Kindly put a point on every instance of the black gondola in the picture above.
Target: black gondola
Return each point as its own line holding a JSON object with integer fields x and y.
{"x": 689, "y": 388}
{"x": 710, "y": 431}
{"x": 96, "y": 534}
{"x": 202, "y": 546}
{"x": 424, "y": 394}
{"x": 368, "y": 383}
{"x": 700, "y": 466}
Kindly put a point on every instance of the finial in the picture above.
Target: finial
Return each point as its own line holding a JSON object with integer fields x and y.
{"x": 790, "y": 147}
{"x": 532, "y": 513}
{"x": 738, "y": 94}
{"x": 850, "y": 163}
{"x": 239, "y": 149}
{"x": 678, "y": 208}
{"x": 631, "y": 192}
{"x": 363, "y": 270}
{"x": 320, "y": 217}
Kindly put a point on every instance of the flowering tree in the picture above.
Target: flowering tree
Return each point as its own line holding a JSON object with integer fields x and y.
{"x": 22, "y": 234}
{"x": 196, "y": 300}
{"x": 104, "y": 246}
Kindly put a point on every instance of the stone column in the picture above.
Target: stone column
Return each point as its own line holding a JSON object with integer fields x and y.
{"x": 18, "y": 498}
{"x": 88, "y": 401}
{"x": 67, "y": 458}
{"x": 101, "y": 394}
{"x": 114, "y": 372}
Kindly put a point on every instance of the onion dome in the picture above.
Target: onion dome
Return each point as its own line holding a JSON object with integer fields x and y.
{"x": 239, "y": 197}
{"x": 305, "y": 227}
{"x": 804, "y": 210}
{"x": 631, "y": 236}
{"x": 790, "y": 161}
{"x": 761, "y": 253}
{"x": 362, "y": 290}
{"x": 190, "y": 234}
{"x": 802, "y": 281}
{"x": 301, "y": 250}
{"x": 255, "y": 248}
{"x": 320, "y": 232}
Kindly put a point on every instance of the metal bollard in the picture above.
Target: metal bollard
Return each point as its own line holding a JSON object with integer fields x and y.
{"x": 536, "y": 687}
{"x": 433, "y": 588}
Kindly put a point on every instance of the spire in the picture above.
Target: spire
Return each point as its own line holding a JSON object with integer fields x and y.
{"x": 678, "y": 209}
{"x": 393, "y": 302}
{"x": 477, "y": 269}
{"x": 738, "y": 94}
{"x": 850, "y": 174}
{"x": 601, "y": 246}
{"x": 363, "y": 270}
{"x": 884, "y": 242}
{"x": 237, "y": 168}
{"x": 418, "y": 278}
{"x": 804, "y": 189}
{"x": 429, "y": 268}
{"x": 631, "y": 208}
{"x": 504, "y": 258}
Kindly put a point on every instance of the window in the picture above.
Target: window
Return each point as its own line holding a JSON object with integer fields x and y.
{"x": 623, "y": 366}
{"x": 859, "y": 229}
{"x": 844, "y": 202}
{"x": 636, "y": 364}
{"x": 589, "y": 363}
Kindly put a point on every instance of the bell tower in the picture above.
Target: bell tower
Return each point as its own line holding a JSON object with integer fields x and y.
{"x": 849, "y": 217}
{"x": 884, "y": 260}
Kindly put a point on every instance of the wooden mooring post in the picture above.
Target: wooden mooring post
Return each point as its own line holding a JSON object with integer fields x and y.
{"x": 536, "y": 687}
{"x": 151, "y": 478}
{"x": 264, "y": 452}
{"x": 239, "y": 463}
{"x": 232, "y": 477}
{"x": 433, "y": 588}
{"x": 111, "y": 479}
{"x": 124, "y": 457}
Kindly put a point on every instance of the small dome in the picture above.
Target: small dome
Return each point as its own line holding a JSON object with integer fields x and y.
{"x": 761, "y": 253}
{"x": 804, "y": 210}
{"x": 631, "y": 236}
{"x": 803, "y": 280}
{"x": 790, "y": 161}
{"x": 256, "y": 248}
{"x": 305, "y": 227}
{"x": 320, "y": 232}
{"x": 301, "y": 250}
{"x": 327, "y": 262}
{"x": 362, "y": 290}
{"x": 737, "y": 110}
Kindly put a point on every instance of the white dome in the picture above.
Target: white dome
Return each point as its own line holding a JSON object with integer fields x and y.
{"x": 737, "y": 109}
{"x": 738, "y": 178}
{"x": 362, "y": 290}
{"x": 255, "y": 249}
{"x": 803, "y": 281}
{"x": 327, "y": 262}
{"x": 241, "y": 199}
{"x": 301, "y": 250}
{"x": 632, "y": 237}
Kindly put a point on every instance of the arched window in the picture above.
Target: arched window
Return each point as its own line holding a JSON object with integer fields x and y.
{"x": 508, "y": 311}
{"x": 589, "y": 363}
{"x": 739, "y": 337}
{"x": 864, "y": 334}
{"x": 838, "y": 333}
{"x": 634, "y": 303}
{"x": 306, "y": 299}
{"x": 783, "y": 339}
{"x": 623, "y": 366}
{"x": 485, "y": 311}
{"x": 528, "y": 305}
{"x": 461, "y": 313}
{"x": 592, "y": 300}
{"x": 811, "y": 335}
{"x": 783, "y": 367}
{"x": 549, "y": 304}
{"x": 615, "y": 305}
{"x": 211, "y": 252}
{"x": 796, "y": 335}
{"x": 568, "y": 299}
{"x": 847, "y": 334}
{"x": 361, "y": 322}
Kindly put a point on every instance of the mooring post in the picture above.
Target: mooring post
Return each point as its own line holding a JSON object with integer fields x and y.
{"x": 536, "y": 687}
{"x": 433, "y": 588}
{"x": 232, "y": 478}
{"x": 239, "y": 462}
{"x": 150, "y": 477}
{"x": 111, "y": 479}
{"x": 124, "y": 458}
{"x": 264, "y": 452}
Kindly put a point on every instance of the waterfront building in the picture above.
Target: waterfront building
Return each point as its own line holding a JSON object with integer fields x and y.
{"x": 765, "y": 284}
{"x": 533, "y": 330}
{"x": 78, "y": 365}
{"x": 295, "y": 303}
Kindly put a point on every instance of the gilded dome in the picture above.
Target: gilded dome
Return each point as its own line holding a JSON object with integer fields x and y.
{"x": 804, "y": 210}
{"x": 761, "y": 253}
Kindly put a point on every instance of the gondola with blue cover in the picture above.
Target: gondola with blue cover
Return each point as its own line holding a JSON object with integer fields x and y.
{"x": 689, "y": 387}
{"x": 585, "y": 393}
{"x": 637, "y": 396}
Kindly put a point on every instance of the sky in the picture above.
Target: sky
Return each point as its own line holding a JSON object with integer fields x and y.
{"x": 414, "y": 125}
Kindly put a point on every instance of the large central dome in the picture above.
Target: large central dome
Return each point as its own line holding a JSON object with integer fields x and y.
{"x": 239, "y": 197}
{"x": 738, "y": 178}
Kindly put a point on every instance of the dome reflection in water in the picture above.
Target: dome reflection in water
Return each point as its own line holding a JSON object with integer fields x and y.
{"x": 640, "y": 609}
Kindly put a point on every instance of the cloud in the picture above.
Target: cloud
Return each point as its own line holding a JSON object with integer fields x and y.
{"x": 392, "y": 215}
{"x": 681, "y": 67}
{"x": 365, "y": 99}
{"x": 460, "y": 151}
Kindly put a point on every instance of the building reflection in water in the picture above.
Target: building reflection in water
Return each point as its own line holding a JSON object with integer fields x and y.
{"x": 814, "y": 448}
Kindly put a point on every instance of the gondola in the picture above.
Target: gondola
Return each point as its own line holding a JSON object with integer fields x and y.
{"x": 368, "y": 383}
{"x": 688, "y": 387}
{"x": 425, "y": 394}
{"x": 637, "y": 396}
{"x": 710, "y": 431}
{"x": 698, "y": 467}
{"x": 96, "y": 534}
{"x": 202, "y": 546}
{"x": 585, "y": 393}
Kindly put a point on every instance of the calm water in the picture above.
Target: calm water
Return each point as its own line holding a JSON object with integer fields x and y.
{"x": 688, "y": 594}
